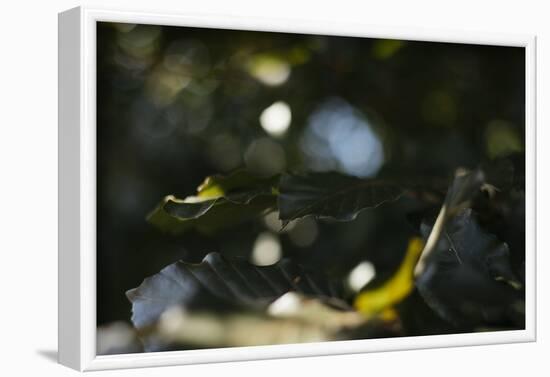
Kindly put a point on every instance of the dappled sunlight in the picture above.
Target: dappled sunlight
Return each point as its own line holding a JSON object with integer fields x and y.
{"x": 163, "y": 85}
{"x": 361, "y": 275}
{"x": 184, "y": 61}
{"x": 276, "y": 119}
{"x": 263, "y": 186}
{"x": 268, "y": 69}
{"x": 137, "y": 46}
{"x": 339, "y": 137}
{"x": 187, "y": 56}
{"x": 303, "y": 232}
{"x": 266, "y": 250}
{"x": 273, "y": 223}
{"x": 285, "y": 305}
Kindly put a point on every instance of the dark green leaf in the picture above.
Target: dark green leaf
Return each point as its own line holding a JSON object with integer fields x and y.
{"x": 220, "y": 284}
{"x": 418, "y": 318}
{"x": 468, "y": 278}
{"x": 465, "y": 187}
{"x": 221, "y": 201}
{"x": 238, "y": 187}
{"x": 331, "y": 195}
{"x": 177, "y": 216}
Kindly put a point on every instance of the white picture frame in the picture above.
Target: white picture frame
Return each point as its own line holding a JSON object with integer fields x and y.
{"x": 77, "y": 191}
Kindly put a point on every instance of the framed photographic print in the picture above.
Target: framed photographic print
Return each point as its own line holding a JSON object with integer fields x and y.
{"x": 237, "y": 189}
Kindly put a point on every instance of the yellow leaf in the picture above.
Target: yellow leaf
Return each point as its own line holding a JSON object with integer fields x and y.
{"x": 210, "y": 189}
{"x": 380, "y": 299}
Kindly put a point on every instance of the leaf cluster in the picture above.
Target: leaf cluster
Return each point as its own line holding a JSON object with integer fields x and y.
{"x": 454, "y": 273}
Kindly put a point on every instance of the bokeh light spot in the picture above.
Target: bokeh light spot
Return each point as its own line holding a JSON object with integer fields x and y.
{"x": 339, "y": 137}
{"x": 268, "y": 69}
{"x": 303, "y": 232}
{"x": 266, "y": 250}
{"x": 273, "y": 223}
{"x": 276, "y": 119}
{"x": 361, "y": 275}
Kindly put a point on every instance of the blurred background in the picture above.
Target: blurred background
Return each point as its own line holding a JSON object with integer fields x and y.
{"x": 177, "y": 104}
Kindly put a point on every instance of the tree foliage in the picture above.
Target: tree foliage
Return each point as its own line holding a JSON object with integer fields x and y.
{"x": 467, "y": 279}
{"x": 355, "y": 160}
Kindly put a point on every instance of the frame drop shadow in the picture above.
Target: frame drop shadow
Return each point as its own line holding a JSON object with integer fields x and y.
{"x": 50, "y": 355}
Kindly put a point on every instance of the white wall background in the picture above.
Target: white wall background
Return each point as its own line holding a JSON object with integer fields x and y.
{"x": 28, "y": 184}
